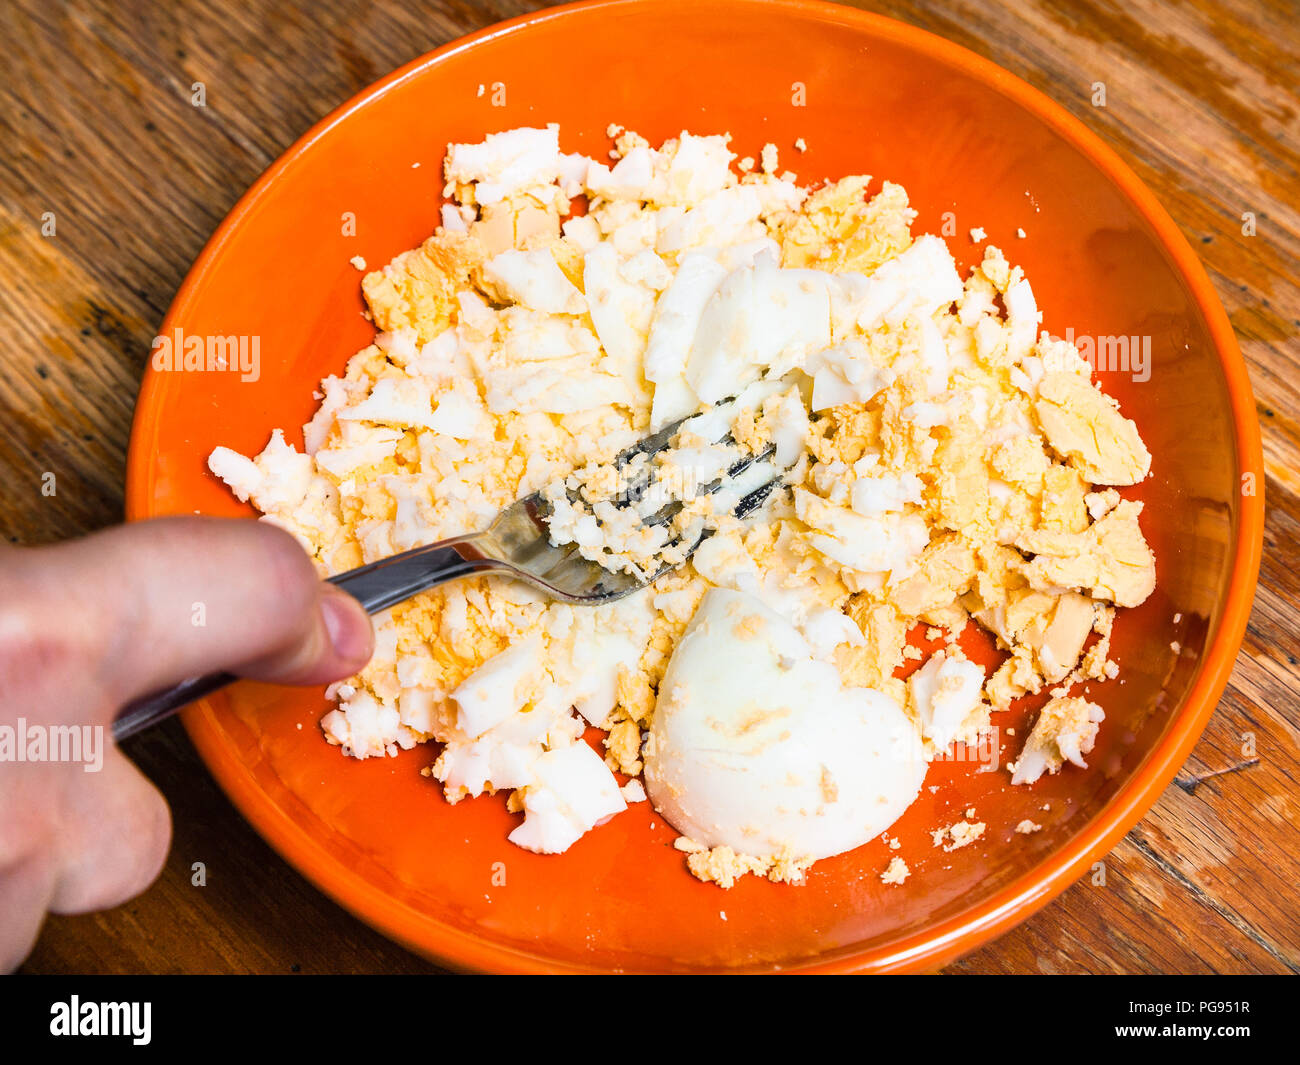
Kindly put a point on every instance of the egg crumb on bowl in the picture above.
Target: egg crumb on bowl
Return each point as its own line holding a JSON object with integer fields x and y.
{"x": 935, "y": 460}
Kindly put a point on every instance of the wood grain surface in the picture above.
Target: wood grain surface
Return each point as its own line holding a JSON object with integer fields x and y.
{"x": 98, "y": 131}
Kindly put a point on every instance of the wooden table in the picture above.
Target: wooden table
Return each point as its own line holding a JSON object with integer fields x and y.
{"x": 98, "y": 128}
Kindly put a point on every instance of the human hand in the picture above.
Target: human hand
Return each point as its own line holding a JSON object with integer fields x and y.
{"x": 88, "y": 625}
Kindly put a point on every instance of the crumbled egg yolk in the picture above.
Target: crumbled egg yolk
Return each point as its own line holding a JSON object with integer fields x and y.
{"x": 941, "y": 462}
{"x": 896, "y": 872}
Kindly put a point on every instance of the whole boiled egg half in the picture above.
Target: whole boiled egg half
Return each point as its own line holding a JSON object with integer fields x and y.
{"x": 759, "y": 746}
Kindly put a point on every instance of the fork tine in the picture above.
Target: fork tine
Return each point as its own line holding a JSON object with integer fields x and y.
{"x": 670, "y": 510}
{"x": 520, "y": 537}
{"x": 658, "y": 441}
{"x": 755, "y": 499}
{"x": 652, "y": 444}
{"x": 747, "y": 505}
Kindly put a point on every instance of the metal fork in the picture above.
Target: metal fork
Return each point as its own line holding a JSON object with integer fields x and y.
{"x": 517, "y": 543}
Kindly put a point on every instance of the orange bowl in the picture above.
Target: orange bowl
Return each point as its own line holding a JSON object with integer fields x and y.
{"x": 974, "y": 146}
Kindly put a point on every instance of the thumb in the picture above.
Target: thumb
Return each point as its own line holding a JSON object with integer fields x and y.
{"x": 179, "y": 597}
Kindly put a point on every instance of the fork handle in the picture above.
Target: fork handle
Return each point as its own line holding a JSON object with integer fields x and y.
{"x": 376, "y": 587}
{"x": 391, "y": 580}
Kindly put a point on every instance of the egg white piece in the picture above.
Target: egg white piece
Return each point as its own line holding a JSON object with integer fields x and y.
{"x": 946, "y": 690}
{"x": 758, "y": 746}
{"x": 760, "y": 318}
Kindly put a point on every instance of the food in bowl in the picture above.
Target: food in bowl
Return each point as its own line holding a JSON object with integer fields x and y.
{"x": 939, "y": 462}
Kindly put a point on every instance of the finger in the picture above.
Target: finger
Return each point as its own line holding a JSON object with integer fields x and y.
{"x": 25, "y": 890}
{"x": 28, "y": 861}
{"x": 339, "y": 644}
{"x": 180, "y": 597}
{"x": 114, "y": 840}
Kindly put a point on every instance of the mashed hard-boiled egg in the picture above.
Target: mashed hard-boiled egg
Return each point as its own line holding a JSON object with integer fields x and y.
{"x": 930, "y": 459}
